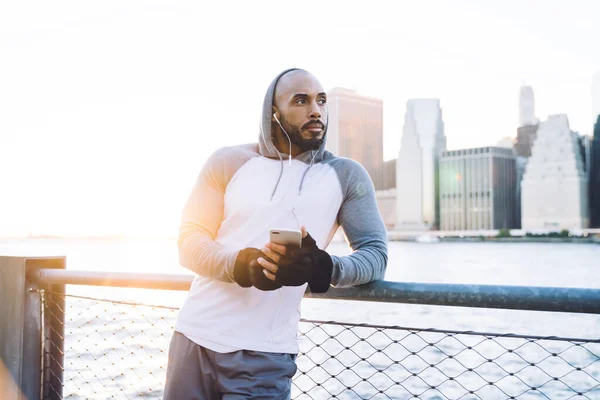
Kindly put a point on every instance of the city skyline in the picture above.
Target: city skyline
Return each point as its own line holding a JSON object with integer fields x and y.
{"x": 356, "y": 119}
{"x": 108, "y": 110}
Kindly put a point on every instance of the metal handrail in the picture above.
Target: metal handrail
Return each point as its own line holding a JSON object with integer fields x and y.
{"x": 532, "y": 298}
{"x": 114, "y": 279}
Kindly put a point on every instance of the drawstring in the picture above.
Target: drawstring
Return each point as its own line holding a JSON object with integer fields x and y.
{"x": 305, "y": 172}
{"x": 280, "y": 174}
{"x": 279, "y": 154}
{"x": 262, "y": 136}
{"x": 312, "y": 161}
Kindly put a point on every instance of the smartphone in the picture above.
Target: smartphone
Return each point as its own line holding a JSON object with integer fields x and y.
{"x": 286, "y": 237}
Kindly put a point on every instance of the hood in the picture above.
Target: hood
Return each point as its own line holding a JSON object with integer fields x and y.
{"x": 266, "y": 148}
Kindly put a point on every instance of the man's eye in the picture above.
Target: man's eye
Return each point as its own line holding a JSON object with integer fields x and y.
{"x": 322, "y": 101}
{"x": 301, "y": 101}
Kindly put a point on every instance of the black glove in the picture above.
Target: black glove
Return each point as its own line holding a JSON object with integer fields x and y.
{"x": 307, "y": 264}
{"x": 248, "y": 272}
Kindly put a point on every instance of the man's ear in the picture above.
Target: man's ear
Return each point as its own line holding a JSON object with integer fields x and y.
{"x": 275, "y": 113}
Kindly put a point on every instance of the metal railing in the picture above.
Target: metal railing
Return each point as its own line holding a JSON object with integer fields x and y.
{"x": 103, "y": 347}
{"x": 576, "y": 300}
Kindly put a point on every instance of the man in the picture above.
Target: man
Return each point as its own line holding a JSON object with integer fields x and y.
{"x": 235, "y": 336}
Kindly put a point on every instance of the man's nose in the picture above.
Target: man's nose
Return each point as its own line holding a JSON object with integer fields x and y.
{"x": 315, "y": 112}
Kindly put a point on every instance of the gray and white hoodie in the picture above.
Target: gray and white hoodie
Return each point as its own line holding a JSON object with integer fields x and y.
{"x": 241, "y": 193}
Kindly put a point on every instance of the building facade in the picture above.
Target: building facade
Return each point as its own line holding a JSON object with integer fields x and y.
{"x": 596, "y": 95}
{"x": 525, "y": 138}
{"x": 386, "y": 201}
{"x": 521, "y": 164}
{"x": 355, "y": 130}
{"x": 585, "y": 147}
{"x": 477, "y": 189}
{"x": 594, "y": 181}
{"x": 389, "y": 174}
{"x": 554, "y": 186}
{"x": 422, "y": 141}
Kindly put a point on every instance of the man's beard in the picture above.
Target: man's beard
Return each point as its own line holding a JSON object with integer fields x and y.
{"x": 297, "y": 139}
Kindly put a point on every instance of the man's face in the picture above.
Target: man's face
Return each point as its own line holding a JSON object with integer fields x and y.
{"x": 301, "y": 106}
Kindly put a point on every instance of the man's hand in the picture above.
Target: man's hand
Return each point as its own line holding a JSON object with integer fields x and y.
{"x": 308, "y": 264}
{"x": 275, "y": 252}
{"x": 275, "y": 265}
{"x": 247, "y": 272}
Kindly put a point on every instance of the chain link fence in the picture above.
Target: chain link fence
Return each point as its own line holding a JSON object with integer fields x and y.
{"x": 118, "y": 350}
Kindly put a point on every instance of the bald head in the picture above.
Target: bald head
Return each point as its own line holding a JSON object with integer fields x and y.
{"x": 294, "y": 81}
{"x": 300, "y": 112}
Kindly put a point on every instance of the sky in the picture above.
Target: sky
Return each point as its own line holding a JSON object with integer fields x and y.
{"x": 109, "y": 109}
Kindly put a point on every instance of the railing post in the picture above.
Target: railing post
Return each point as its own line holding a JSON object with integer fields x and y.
{"x": 53, "y": 332}
{"x": 21, "y": 328}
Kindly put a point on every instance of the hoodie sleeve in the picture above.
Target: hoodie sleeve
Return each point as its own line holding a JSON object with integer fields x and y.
{"x": 364, "y": 228}
{"x": 202, "y": 216}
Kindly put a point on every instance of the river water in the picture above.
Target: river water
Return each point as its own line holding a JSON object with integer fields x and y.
{"x": 528, "y": 264}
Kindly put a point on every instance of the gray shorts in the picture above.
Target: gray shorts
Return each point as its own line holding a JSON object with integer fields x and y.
{"x": 197, "y": 373}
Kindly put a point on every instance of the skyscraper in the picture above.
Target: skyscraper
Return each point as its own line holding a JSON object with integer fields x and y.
{"x": 594, "y": 183}
{"x": 477, "y": 188}
{"x": 356, "y": 130}
{"x": 409, "y": 177}
{"x": 554, "y": 187}
{"x": 596, "y": 95}
{"x": 528, "y": 122}
{"x": 526, "y": 134}
{"x": 416, "y": 168}
{"x": 527, "y": 107}
{"x": 521, "y": 165}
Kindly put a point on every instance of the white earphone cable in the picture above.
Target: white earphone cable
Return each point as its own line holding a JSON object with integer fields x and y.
{"x": 286, "y": 134}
